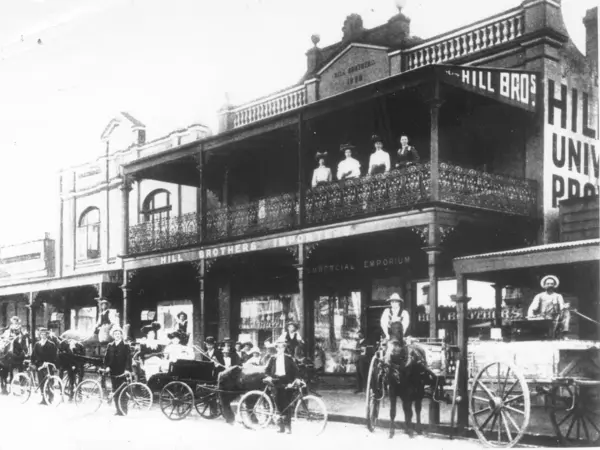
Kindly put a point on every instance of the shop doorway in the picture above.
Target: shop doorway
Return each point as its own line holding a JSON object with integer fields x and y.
{"x": 167, "y": 311}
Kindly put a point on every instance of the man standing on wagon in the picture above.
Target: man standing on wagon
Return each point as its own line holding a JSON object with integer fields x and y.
{"x": 117, "y": 361}
{"x": 550, "y": 305}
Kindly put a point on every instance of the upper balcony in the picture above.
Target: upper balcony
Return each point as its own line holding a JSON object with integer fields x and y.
{"x": 397, "y": 190}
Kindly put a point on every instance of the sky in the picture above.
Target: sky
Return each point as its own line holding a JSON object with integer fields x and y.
{"x": 68, "y": 66}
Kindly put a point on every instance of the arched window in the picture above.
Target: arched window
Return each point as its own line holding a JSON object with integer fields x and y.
{"x": 88, "y": 234}
{"x": 157, "y": 206}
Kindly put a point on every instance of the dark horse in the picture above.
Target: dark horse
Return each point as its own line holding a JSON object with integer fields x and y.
{"x": 406, "y": 376}
{"x": 13, "y": 352}
{"x": 235, "y": 381}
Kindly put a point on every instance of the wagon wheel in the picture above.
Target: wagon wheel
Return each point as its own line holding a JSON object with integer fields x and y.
{"x": 207, "y": 403}
{"x": 374, "y": 394}
{"x": 575, "y": 415}
{"x": 499, "y": 405}
{"x": 176, "y": 400}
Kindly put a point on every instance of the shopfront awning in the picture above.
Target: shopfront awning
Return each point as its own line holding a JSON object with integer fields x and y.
{"x": 54, "y": 284}
{"x": 528, "y": 257}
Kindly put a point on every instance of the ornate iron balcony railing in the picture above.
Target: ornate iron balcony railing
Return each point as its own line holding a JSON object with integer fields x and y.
{"x": 339, "y": 201}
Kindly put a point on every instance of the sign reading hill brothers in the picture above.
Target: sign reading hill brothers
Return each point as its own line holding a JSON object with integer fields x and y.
{"x": 358, "y": 65}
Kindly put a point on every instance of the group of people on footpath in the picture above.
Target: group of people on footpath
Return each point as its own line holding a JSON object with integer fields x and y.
{"x": 379, "y": 161}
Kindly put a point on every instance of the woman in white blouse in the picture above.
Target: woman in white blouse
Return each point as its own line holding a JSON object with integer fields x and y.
{"x": 379, "y": 162}
{"x": 322, "y": 174}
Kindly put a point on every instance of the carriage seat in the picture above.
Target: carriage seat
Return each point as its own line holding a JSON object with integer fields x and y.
{"x": 190, "y": 369}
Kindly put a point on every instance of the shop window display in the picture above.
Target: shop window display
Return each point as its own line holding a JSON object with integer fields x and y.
{"x": 264, "y": 318}
{"x": 337, "y": 323}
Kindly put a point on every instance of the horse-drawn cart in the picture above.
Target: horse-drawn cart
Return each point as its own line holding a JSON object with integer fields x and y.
{"x": 511, "y": 382}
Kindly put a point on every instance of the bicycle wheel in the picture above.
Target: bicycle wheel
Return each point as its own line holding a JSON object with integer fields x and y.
{"x": 176, "y": 400}
{"x": 135, "y": 398}
{"x": 310, "y": 415}
{"x": 255, "y": 409}
{"x": 70, "y": 386}
{"x": 88, "y": 396}
{"x": 53, "y": 390}
{"x": 374, "y": 395}
{"x": 207, "y": 403}
{"x": 21, "y": 387}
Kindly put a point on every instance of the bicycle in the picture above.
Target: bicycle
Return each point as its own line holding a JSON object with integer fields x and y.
{"x": 256, "y": 409}
{"x": 51, "y": 389}
{"x": 89, "y": 395}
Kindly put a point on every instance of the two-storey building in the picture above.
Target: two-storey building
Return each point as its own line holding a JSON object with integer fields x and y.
{"x": 62, "y": 283}
{"x": 503, "y": 114}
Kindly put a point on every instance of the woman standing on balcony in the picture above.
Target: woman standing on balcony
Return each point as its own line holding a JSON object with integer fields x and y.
{"x": 407, "y": 154}
{"x": 322, "y": 174}
{"x": 379, "y": 162}
{"x": 349, "y": 167}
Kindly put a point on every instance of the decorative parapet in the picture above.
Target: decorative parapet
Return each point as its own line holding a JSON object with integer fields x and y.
{"x": 271, "y": 106}
{"x": 467, "y": 41}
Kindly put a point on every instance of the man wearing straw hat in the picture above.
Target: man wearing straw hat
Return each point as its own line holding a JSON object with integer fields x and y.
{"x": 104, "y": 317}
{"x": 282, "y": 370}
{"x": 394, "y": 322}
{"x": 550, "y": 305}
{"x": 117, "y": 361}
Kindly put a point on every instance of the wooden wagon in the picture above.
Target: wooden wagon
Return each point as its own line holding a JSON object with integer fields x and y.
{"x": 507, "y": 380}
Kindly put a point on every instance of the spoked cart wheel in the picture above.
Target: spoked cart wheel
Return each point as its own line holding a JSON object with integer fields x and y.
{"x": 499, "y": 405}
{"x": 207, "y": 403}
{"x": 374, "y": 394}
{"x": 21, "y": 387}
{"x": 53, "y": 390}
{"x": 176, "y": 400}
{"x": 310, "y": 416}
{"x": 255, "y": 410}
{"x": 575, "y": 414}
{"x": 135, "y": 399}
{"x": 88, "y": 396}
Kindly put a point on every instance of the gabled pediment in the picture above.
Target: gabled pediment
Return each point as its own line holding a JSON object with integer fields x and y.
{"x": 123, "y": 118}
{"x": 354, "y": 66}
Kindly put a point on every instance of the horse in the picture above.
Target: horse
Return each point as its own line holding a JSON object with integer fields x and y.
{"x": 234, "y": 381}
{"x": 13, "y": 352}
{"x": 406, "y": 376}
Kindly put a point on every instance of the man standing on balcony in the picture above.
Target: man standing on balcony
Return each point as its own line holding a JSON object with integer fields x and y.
{"x": 379, "y": 162}
{"x": 349, "y": 167}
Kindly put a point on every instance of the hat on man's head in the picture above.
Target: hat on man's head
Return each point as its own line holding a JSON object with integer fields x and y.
{"x": 101, "y": 300}
{"x": 347, "y": 146}
{"x": 549, "y": 278}
{"x": 209, "y": 340}
{"x": 182, "y": 314}
{"x": 43, "y": 330}
{"x": 320, "y": 155}
{"x": 375, "y": 138}
{"x": 15, "y": 318}
{"x": 292, "y": 323}
{"x": 228, "y": 341}
{"x": 395, "y": 298}
{"x": 114, "y": 329}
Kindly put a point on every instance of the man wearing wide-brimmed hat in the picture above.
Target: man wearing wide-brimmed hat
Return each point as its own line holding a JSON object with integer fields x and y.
{"x": 282, "y": 370}
{"x": 379, "y": 161}
{"x": 550, "y": 305}
{"x": 349, "y": 167}
{"x": 117, "y": 362}
{"x": 104, "y": 317}
{"x": 212, "y": 352}
{"x": 395, "y": 319}
{"x": 322, "y": 174}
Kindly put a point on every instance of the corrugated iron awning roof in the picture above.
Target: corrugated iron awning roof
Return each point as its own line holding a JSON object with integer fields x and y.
{"x": 535, "y": 249}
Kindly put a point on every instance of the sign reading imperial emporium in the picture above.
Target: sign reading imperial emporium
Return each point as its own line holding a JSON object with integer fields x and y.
{"x": 515, "y": 87}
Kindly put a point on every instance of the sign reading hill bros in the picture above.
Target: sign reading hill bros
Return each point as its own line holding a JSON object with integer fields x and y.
{"x": 515, "y": 87}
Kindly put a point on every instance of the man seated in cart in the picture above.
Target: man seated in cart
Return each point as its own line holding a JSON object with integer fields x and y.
{"x": 550, "y": 305}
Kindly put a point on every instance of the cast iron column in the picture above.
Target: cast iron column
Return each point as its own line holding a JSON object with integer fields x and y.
{"x": 434, "y": 111}
{"x": 498, "y": 312}
{"x": 126, "y": 290}
{"x": 199, "y": 314}
{"x": 125, "y": 189}
{"x": 301, "y": 176}
{"x": 31, "y": 307}
{"x": 300, "y": 268}
{"x": 201, "y": 198}
{"x": 462, "y": 300}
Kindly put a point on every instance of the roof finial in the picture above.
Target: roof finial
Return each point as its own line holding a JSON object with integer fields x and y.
{"x": 400, "y": 4}
{"x": 315, "y": 38}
